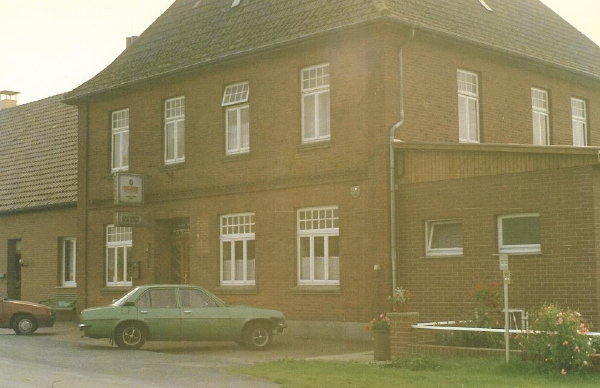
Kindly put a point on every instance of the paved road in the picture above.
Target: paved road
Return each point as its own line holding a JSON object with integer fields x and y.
{"x": 58, "y": 357}
{"x": 43, "y": 361}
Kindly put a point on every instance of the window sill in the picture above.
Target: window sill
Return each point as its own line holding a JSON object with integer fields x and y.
{"x": 521, "y": 253}
{"x": 236, "y": 290}
{"x": 458, "y": 255}
{"x": 172, "y": 166}
{"x": 326, "y": 143}
{"x": 237, "y": 156}
{"x": 317, "y": 289}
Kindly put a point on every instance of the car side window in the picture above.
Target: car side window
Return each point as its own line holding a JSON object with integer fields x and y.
{"x": 195, "y": 299}
{"x": 159, "y": 298}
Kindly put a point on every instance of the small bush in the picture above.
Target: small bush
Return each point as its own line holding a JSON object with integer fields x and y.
{"x": 558, "y": 339}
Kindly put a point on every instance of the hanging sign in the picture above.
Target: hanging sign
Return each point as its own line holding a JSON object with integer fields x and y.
{"x": 129, "y": 189}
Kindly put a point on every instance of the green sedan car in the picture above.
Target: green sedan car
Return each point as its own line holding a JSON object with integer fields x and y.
{"x": 179, "y": 312}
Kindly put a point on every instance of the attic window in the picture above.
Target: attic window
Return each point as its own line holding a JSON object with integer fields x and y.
{"x": 235, "y": 3}
{"x": 236, "y": 94}
{"x": 484, "y": 4}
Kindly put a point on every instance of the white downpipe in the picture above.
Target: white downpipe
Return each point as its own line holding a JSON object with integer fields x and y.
{"x": 393, "y": 130}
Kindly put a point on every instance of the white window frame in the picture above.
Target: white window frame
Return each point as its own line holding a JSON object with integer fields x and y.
{"x": 69, "y": 246}
{"x": 468, "y": 94}
{"x": 429, "y": 233}
{"x": 324, "y": 223}
{"x": 540, "y": 110}
{"x": 175, "y": 123}
{"x": 521, "y": 248}
{"x": 118, "y": 239}
{"x": 315, "y": 84}
{"x": 235, "y": 228}
{"x": 237, "y": 93}
{"x": 579, "y": 122}
{"x": 120, "y": 130}
{"x": 235, "y": 98}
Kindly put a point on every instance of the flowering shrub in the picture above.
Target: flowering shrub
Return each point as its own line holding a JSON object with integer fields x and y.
{"x": 558, "y": 339}
{"x": 380, "y": 322}
{"x": 400, "y": 296}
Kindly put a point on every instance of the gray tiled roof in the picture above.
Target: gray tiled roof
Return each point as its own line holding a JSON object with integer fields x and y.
{"x": 38, "y": 155}
{"x": 196, "y": 32}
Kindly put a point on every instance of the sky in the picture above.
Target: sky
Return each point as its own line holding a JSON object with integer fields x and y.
{"x": 49, "y": 47}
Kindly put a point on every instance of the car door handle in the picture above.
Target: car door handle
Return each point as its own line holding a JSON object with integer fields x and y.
{"x": 143, "y": 312}
{"x": 187, "y": 312}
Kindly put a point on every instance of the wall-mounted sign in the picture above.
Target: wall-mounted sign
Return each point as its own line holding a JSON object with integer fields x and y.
{"x": 129, "y": 189}
{"x": 129, "y": 219}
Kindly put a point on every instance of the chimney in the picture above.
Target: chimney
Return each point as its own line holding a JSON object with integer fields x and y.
{"x": 129, "y": 41}
{"x": 8, "y": 99}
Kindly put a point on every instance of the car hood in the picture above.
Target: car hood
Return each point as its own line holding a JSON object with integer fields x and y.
{"x": 25, "y": 303}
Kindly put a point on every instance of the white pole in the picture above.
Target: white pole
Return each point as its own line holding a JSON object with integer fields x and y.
{"x": 506, "y": 316}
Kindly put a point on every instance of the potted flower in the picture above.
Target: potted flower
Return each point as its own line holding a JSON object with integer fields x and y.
{"x": 380, "y": 327}
{"x": 400, "y": 298}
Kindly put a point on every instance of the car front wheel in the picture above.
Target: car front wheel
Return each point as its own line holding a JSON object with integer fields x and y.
{"x": 24, "y": 325}
{"x": 257, "y": 336}
{"x": 130, "y": 336}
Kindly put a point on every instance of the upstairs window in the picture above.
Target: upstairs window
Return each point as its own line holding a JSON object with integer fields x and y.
{"x": 237, "y": 118}
{"x": 120, "y": 140}
{"x": 519, "y": 234}
{"x": 318, "y": 246}
{"x": 118, "y": 255}
{"x": 237, "y": 249}
{"x": 175, "y": 130}
{"x": 444, "y": 238}
{"x": 579, "y": 122}
{"x": 468, "y": 106}
{"x": 315, "y": 103}
{"x": 541, "y": 116}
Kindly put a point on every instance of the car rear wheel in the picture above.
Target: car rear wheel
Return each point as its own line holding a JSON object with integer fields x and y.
{"x": 130, "y": 336}
{"x": 24, "y": 325}
{"x": 257, "y": 336}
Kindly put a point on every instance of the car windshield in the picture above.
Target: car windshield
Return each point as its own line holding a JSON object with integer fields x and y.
{"x": 123, "y": 299}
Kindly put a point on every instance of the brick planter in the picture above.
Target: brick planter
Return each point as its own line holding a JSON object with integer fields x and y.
{"x": 381, "y": 345}
{"x": 402, "y": 335}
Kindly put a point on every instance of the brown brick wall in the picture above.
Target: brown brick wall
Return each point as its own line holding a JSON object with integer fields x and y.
{"x": 40, "y": 233}
{"x": 564, "y": 272}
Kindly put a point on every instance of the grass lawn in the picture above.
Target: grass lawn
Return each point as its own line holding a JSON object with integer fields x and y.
{"x": 417, "y": 372}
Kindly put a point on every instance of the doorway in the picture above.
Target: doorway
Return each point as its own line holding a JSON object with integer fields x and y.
{"x": 13, "y": 270}
{"x": 180, "y": 252}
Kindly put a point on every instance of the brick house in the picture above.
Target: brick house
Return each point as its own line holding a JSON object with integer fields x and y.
{"x": 276, "y": 138}
{"x": 38, "y": 198}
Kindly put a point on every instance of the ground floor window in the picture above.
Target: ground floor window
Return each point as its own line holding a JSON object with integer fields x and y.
{"x": 519, "y": 233}
{"x": 318, "y": 246}
{"x": 444, "y": 238}
{"x": 118, "y": 255}
{"x": 237, "y": 249}
{"x": 69, "y": 261}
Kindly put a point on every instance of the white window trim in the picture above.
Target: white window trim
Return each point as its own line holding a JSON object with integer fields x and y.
{"x": 71, "y": 283}
{"x": 516, "y": 249}
{"x": 239, "y": 149}
{"x": 118, "y": 244}
{"x": 232, "y": 238}
{"x": 473, "y": 134}
{"x": 317, "y": 92}
{"x": 579, "y": 120}
{"x": 240, "y": 97}
{"x": 540, "y": 113}
{"x": 118, "y": 131}
{"x": 429, "y": 229}
{"x": 177, "y": 120}
{"x": 311, "y": 234}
